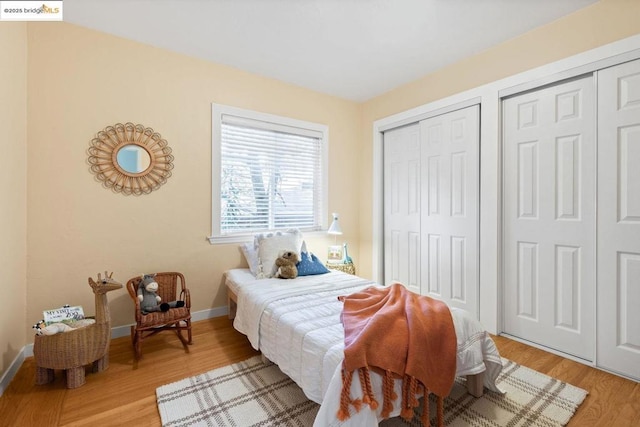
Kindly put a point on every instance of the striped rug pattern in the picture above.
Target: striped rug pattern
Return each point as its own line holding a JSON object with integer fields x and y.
{"x": 249, "y": 393}
{"x": 530, "y": 399}
{"x": 252, "y": 393}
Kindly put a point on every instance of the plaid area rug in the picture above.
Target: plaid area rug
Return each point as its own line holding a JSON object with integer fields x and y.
{"x": 252, "y": 393}
{"x": 249, "y": 393}
{"x": 530, "y": 399}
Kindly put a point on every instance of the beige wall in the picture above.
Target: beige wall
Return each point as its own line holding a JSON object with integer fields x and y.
{"x": 591, "y": 27}
{"x": 13, "y": 188}
{"x": 81, "y": 81}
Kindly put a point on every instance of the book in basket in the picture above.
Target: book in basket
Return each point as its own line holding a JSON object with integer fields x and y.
{"x": 66, "y": 314}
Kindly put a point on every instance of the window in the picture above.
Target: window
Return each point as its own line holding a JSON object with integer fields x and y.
{"x": 269, "y": 173}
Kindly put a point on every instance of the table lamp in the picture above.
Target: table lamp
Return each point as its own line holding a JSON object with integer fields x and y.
{"x": 335, "y": 252}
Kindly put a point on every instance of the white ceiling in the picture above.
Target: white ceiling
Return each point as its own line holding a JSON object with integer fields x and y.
{"x": 353, "y": 49}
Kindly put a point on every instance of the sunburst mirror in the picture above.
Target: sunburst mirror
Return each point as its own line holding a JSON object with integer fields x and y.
{"x": 130, "y": 159}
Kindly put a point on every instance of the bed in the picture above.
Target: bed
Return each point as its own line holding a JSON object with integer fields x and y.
{"x": 296, "y": 325}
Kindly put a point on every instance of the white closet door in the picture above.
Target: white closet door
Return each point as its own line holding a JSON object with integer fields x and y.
{"x": 549, "y": 217}
{"x": 449, "y": 209}
{"x": 619, "y": 219}
{"x": 402, "y": 206}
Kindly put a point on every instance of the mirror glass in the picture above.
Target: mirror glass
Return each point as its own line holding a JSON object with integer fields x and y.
{"x": 133, "y": 158}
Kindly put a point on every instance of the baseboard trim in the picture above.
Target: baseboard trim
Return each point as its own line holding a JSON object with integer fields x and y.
{"x": 11, "y": 372}
{"x": 117, "y": 332}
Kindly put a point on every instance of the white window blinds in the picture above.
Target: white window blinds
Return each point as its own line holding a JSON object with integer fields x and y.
{"x": 271, "y": 175}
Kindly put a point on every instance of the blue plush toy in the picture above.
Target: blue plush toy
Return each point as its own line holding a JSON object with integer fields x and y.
{"x": 148, "y": 296}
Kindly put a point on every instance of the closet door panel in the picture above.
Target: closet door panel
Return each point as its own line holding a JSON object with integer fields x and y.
{"x": 402, "y": 189}
{"x": 549, "y": 216}
{"x": 619, "y": 219}
{"x": 449, "y": 219}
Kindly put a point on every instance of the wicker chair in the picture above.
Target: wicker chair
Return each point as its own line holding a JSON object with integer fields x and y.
{"x": 176, "y": 319}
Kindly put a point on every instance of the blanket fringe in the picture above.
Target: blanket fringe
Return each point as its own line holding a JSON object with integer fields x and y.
{"x": 389, "y": 395}
{"x": 345, "y": 396}
{"x": 409, "y": 399}
{"x": 367, "y": 391}
{"x": 345, "y": 399}
{"x": 411, "y": 388}
{"x": 425, "y": 409}
{"x": 440, "y": 411}
{"x": 426, "y": 416}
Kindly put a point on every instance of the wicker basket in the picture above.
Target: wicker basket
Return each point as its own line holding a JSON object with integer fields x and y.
{"x": 71, "y": 351}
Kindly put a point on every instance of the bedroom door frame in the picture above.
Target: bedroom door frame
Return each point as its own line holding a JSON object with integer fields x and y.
{"x": 489, "y": 97}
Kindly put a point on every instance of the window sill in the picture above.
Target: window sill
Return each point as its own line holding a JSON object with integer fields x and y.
{"x": 222, "y": 240}
{"x": 245, "y": 238}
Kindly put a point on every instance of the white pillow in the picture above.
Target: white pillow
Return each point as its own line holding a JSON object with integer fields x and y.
{"x": 271, "y": 245}
{"x": 250, "y": 252}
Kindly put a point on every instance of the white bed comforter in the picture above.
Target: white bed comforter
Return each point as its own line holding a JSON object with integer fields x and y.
{"x": 296, "y": 324}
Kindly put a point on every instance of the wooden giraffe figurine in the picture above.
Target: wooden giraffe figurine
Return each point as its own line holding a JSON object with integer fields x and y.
{"x": 72, "y": 350}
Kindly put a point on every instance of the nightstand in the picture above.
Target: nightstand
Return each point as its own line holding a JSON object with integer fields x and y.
{"x": 345, "y": 268}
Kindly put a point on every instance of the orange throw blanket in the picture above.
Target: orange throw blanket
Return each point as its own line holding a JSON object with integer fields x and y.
{"x": 399, "y": 334}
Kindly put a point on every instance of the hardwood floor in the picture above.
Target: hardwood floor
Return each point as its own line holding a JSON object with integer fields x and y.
{"x": 125, "y": 393}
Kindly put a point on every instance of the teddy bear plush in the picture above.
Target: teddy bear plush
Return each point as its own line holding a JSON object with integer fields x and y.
{"x": 148, "y": 296}
{"x": 286, "y": 264}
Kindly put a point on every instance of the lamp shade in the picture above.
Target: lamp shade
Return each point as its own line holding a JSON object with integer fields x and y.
{"x": 335, "y": 226}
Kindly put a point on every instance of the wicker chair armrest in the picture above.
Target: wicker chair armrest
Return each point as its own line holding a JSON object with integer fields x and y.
{"x": 185, "y": 296}
{"x": 138, "y": 311}
{"x": 131, "y": 290}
